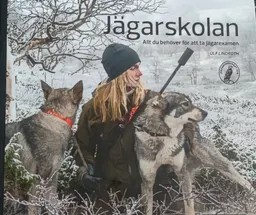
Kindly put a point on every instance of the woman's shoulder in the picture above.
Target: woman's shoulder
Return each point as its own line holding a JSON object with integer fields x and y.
{"x": 88, "y": 104}
{"x": 88, "y": 111}
{"x": 88, "y": 108}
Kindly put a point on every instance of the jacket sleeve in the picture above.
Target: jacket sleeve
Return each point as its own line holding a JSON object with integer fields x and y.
{"x": 83, "y": 138}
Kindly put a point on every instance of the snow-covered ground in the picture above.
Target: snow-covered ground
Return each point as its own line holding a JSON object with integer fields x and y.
{"x": 232, "y": 107}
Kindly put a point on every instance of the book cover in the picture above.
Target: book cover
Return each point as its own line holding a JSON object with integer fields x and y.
{"x": 61, "y": 43}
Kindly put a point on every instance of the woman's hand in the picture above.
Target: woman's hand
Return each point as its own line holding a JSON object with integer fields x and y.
{"x": 87, "y": 179}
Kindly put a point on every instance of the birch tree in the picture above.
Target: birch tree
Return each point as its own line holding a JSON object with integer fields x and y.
{"x": 10, "y": 76}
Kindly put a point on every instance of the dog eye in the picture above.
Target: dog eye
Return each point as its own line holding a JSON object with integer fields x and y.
{"x": 185, "y": 104}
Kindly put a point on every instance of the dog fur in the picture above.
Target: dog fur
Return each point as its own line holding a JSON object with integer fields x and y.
{"x": 45, "y": 137}
{"x": 165, "y": 116}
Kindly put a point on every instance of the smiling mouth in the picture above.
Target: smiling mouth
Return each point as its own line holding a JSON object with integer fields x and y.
{"x": 192, "y": 120}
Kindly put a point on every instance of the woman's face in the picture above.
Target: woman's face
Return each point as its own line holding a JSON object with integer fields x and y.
{"x": 134, "y": 74}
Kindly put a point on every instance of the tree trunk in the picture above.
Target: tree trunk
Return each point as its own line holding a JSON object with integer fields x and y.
{"x": 10, "y": 105}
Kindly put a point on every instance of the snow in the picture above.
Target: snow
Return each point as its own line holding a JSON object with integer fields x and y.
{"x": 232, "y": 107}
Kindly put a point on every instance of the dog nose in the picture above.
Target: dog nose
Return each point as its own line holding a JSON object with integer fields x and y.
{"x": 204, "y": 114}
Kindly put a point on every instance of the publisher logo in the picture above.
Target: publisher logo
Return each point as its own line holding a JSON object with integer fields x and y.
{"x": 229, "y": 72}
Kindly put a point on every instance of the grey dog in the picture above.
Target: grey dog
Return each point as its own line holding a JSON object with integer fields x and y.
{"x": 160, "y": 140}
{"x": 46, "y": 134}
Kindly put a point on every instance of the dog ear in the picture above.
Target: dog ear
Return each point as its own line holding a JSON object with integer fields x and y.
{"x": 77, "y": 92}
{"x": 46, "y": 89}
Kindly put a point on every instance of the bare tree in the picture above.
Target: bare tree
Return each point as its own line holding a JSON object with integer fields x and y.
{"x": 195, "y": 65}
{"x": 252, "y": 71}
{"x": 155, "y": 69}
{"x": 193, "y": 76}
{"x": 47, "y": 32}
{"x": 10, "y": 115}
{"x": 248, "y": 45}
{"x": 250, "y": 65}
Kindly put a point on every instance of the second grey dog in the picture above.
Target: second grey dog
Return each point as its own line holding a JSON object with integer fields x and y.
{"x": 165, "y": 116}
{"x": 45, "y": 135}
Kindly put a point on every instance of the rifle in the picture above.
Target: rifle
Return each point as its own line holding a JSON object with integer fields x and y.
{"x": 182, "y": 61}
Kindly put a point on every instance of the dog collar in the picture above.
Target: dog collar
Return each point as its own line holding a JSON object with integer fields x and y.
{"x": 66, "y": 119}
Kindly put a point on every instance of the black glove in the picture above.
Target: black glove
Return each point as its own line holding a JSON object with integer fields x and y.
{"x": 87, "y": 179}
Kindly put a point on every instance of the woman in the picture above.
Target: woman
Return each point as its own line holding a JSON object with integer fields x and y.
{"x": 105, "y": 134}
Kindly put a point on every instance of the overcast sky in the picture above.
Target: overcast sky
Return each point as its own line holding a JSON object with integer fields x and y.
{"x": 217, "y": 9}
{"x": 214, "y": 4}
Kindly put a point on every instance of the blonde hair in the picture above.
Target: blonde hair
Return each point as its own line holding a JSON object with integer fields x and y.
{"x": 110, "y": 100}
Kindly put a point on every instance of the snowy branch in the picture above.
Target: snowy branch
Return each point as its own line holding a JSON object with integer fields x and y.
{"x": 49, "y": 32}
